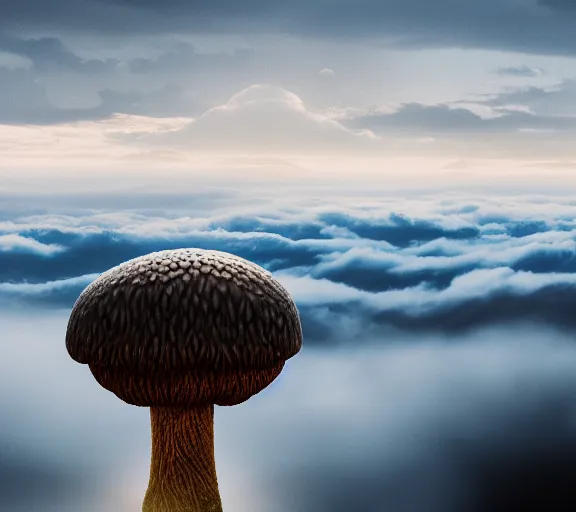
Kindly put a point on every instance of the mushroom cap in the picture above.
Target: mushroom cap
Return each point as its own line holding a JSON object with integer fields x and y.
{"x": 184, "y": 389}
{"x": 184, "y": 309}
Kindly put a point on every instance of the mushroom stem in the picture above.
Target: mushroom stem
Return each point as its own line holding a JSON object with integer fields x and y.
{"x": 183, "y": 469}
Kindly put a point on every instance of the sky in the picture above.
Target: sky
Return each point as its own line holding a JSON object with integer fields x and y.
{"x": 403, "y": 168}
{"x": 292, "y": 90}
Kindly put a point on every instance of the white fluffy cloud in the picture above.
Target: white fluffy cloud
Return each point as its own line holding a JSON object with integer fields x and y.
{"x": 15, "y": 242}
{"x": 326, "y": 72}
{"x": 266, "y": 119}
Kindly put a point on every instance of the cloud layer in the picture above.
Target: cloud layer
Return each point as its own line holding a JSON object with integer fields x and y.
{"x": 434, "y": 376}
{"x": 540, "y": 27}
{"x": 264, "y": 119}
{"x": 449, "y": 267}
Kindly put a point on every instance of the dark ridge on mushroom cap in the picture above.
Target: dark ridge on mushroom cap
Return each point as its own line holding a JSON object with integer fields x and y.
{"x": 184, "y": 389}
{"x": 184, "y": 308}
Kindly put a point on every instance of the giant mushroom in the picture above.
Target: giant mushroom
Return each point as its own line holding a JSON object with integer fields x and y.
{"x": 179, "y": 331}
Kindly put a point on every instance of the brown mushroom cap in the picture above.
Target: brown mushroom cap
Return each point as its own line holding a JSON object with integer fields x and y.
{"x": 184, "y": 326}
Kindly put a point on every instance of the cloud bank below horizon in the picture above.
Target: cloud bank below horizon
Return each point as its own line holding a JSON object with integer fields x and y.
{"x": 452, "y": 266}
{"x": 437, "y": 370}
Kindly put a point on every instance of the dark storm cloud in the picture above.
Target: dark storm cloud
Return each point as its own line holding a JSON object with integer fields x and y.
{"x": 458, "y": 268}
{"x": 545, "y": 27}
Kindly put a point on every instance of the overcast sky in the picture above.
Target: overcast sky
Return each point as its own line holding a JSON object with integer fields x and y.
{"x": 382, "y": 88}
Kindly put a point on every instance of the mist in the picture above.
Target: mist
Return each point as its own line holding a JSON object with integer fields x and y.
{"x": 427, "y": 422}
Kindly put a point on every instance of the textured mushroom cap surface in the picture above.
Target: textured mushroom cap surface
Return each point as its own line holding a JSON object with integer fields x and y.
{"x": 184, "y": 308}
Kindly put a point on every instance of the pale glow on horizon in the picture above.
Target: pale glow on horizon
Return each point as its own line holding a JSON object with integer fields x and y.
{"x": 224, "y": 145}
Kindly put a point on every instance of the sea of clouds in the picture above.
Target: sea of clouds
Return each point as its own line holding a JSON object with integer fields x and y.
{"x": 438, "y": 372}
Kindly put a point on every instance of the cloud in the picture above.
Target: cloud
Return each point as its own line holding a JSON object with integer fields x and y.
{"x": 30, "y": 483}
{"x": 41, "y": 77}
{"x": 414, "y": 423}
{"x": 520, "y": 71}
{"x": 23, "y": 100}
{"x": 17, "y": 243}
{"x": 452, "y": 267}
{"x": 326, "y": 72}
{"x": 497, "y": 25}
{"x": 557, "y": 100}
{"x": 401, "y": 230}
{"x": 509, "y": 128}
{"x": 168, "y": 101}
{"x": 43, "y": 466}
{"x": 184, "y": 57}
{"x": 12, "y": 61}
{"x": 461, "y": 307}
{"x": 49, "y": 54}
{"x": 261, "y": 127}
{"x": 265, "y": 118}
{"x": 438, "y": 120}
{"x": 561, "y": 5}
{"x": 56, "y": 293}
{"x": 482, "y": 425}
{"x": 72, "y": 143}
